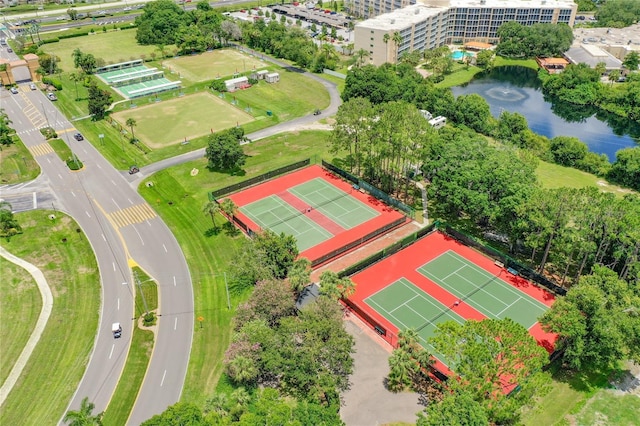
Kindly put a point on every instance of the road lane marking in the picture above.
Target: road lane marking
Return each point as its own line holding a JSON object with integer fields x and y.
{"x": 114, "y": 183}
{"x": 98, "y": 165}
{"x": 118, "y": 303}
{"x": 72, "y": 193}
{"x": 59, "y": 175}
{"x": 49, "y": 161}
{"x": 163, "y": 376}
{"x": 131, "y": 215}
{"x": 174, "y": 280}
{"x": 130, "y": 202}
{"x": 114, "y": 202}
{"x": 165, "y": 248}
{"x": 175, "y": 324}
{"x": 35, "y": 200}
{"x": 104, "y": 238}
{"x": 41, "y": 149}
{"x": 87, "y": 213}
{"x": 114, "y": 265}
{"x": 111, "y": 353}
{"x": 141, "y": 240}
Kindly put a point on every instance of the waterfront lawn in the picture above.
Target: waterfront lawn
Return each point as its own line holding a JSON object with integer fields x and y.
{"x": 207, "y": 262}
{"x": 555, "y": 176}
{"x": 460, "y": 74}
{"x": 52, "y": 374}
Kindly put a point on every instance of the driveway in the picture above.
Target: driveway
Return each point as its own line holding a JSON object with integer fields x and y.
{"x": 368, "y": 402}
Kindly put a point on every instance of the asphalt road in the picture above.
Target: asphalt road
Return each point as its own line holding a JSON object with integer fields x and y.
{"x": 122, "y": 230}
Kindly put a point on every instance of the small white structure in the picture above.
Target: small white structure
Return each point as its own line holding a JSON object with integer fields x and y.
{"x": 438, "y": 122}
{"x": 426, "y": 114}
{"x": 236, "y": 83}
{"x": 260, "y": 75}
{"x": 273, "y": 77}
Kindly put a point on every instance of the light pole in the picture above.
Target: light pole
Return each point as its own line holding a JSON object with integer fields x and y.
{"x": 45, "y": 114}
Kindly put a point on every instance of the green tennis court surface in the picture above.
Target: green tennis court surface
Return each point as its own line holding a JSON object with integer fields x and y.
{"x": 486, "y": 293}
{"x": 116, "y": 74}
{"x": 275, "y": 214}
{"x": 407, "y": 306}
{"x": 334, "y": 203}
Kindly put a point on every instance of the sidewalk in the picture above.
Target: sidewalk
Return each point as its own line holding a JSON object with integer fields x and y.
{"x": 45, "y": 312}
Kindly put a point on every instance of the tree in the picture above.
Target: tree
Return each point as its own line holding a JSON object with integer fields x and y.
{"x": 300, "y": 274}
{"x": 456, "y": 409}
{"x": 484, "y": 59}
{"x": 617, "y": 13}
{"x": 160, "y": 23}
{"x": 224, "y": 151}
{"x": 180, "y": 413}
{"x": 84, "y": 416}
{"x": 473, "y": 111}
{"x": 9, "y": 225}
{"x": 402, "y": 369}
{"x": 212, "y": 208}
{"x": 76, "y": 77}
{"x": 270, "y": 301}
{"x": 492, "y": 357}
{"x": 397, "y": 39}
{"x": 85, "y": 61}
{"x": 6, "y": 131}
{"x": 361, "y": 55}
{"x": 631, "y": 61}
{"x": 626, "y": 168}
{"x": 48, "y": 64}
{"x": 131, "y": 123}
{"x": 228, "y": 207}
{"x": 99, "y": 100}
{"x": 598, "y": 321}
{"x": 568, "y": 151}
{"x": 334, "y": 287}
{"x": 73, "y": 14}
{"x": 242, "y": 370}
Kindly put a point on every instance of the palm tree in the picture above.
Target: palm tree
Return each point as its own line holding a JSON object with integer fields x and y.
{"x": 601, "y": 68}
{"x": 131, "y": 123}
{"x": 212, "y": 208}
{"x": 241, "y": 396}
{"x": 361, "y": 55}
{"x": 386, "y": 39}
{"x": 83, "y": 416}
{"x": 76, "y": 77}
{"x": 242, "y": 369}
{"x": 334, "y": 287}
{"x": 397, "y": 39}
{"x": 228, "y": 207}
{"x": 614, "y": 75}
{"x": 402, "y": 369}
{"x": 217, "y": 403}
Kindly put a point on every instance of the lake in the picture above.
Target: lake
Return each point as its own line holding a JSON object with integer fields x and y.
{"x": 518, "y": 89}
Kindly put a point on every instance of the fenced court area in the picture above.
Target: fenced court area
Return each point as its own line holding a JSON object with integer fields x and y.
{"x": 438, "y": 279}
{"x": 325, "y": 214}
{"x": 137, "y": 81}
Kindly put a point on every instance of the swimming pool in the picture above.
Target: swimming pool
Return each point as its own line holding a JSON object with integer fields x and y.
{"x": 459, "y": 54}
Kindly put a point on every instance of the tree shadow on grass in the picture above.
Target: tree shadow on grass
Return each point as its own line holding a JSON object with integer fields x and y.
{"x": 230, "y": 230}
{"x": 212, "y": 232}
{"x": 583, "y": 381}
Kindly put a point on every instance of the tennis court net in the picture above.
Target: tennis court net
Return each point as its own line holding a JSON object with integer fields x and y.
{"x": 306, "y": 210}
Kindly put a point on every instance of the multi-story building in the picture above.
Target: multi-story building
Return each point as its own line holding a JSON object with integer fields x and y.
{"x": 435, "y": 23}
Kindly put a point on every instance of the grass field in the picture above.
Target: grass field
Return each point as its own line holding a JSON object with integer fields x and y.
{"x": 189, "y": 117}
{"x": 20, "y": 304}
{"x": 214, "y": 64}
{"x": 207, "y": 262}
{"x": 461, "y": 74}
{"x": 555, "y": 176}
{"x": 17, "y": 164}
{"x": 112, "y": 47}
{"x": 59, "y": 360}
{"x": 608, "y": 408}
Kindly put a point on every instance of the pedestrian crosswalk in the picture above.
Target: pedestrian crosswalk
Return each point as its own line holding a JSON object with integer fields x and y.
{"x": 42, "y": 149}
{"x": 131, "y": 215}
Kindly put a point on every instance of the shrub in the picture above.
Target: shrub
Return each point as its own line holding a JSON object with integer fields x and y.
{"x": 48, "y": 133}
{"x": 149, "y": 319}
{"x": 218, "y": 85}
{"x": 74, "y": 163}
{"x": 53, "y": 82}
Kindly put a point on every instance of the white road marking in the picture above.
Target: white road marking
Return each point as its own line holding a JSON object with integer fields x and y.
{"x": 174, "y": 280}
{"x": 98, "y": 166}
{"x": 118, "y": 303}
{"x": 129, "y": 199}
{"x": 175, "y": 324}
{"x": 114, "y": 202}
{"x": 165, "y": 248}
{"x": 87, "y": 213}
{"x": 49, "y": 161}
{"x": 84, "y": 150}
{"x": 59, "y": 175}
{"x": 124, "y": 283}
{"x": 163, "y": 376}
{"x": 72, "y": 193}
{"x": 141, "y": 240}
{"x": 114, "y": 265}
{"x": 35, "y": 201}
{"x": 105, "y": 239}
{"x": 114, "y": 183}
{"x": 111, "y": 353}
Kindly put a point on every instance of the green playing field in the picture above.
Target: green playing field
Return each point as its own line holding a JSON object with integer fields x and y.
{"x": 483, "y": 291}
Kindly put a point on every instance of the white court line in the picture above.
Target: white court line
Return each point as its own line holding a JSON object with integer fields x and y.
{"x": 404, "y": 303}
{"x": 516, "y": 301}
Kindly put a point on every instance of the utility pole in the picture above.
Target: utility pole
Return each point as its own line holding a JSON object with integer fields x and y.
{"x": 144, "y": 299}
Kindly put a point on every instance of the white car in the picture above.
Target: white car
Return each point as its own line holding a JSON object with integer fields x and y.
{"x": 52, "y": 96}
{"x": 116, "y": 329}
{"x": 32, "y": 86}
{"x": 14, "y": 90}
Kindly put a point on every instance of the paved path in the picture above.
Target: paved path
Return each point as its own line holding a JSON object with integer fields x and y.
{"x": 45, "y": 312}
{"x": 368, "y": 402}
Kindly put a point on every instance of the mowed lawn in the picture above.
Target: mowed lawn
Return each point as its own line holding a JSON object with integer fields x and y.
{"x": 112, "y": 47}
{"x": 170, "y": 122}
{"x": 293, "y": 96}
{"x": 555, "y": 176}
{"x": 20, "y": 304}
{"x": 214, "y": 64}
{"x": 56, "y": 366}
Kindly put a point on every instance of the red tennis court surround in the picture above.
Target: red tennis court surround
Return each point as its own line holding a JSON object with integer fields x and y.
{"x": 404, "y": 264}
{"x": 342, "y": 237}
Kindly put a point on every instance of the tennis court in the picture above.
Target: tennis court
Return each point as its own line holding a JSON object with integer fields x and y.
{"x": 407, "y": 306}
{"x": 275, "y": 214}
{"x": 484, "y": 291}
{"x": 324, "y": 213}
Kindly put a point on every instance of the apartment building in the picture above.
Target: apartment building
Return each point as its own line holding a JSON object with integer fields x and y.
{"x": 433, "y": 23}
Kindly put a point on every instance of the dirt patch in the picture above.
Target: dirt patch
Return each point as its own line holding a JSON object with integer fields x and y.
{"x": 628, "y": 381}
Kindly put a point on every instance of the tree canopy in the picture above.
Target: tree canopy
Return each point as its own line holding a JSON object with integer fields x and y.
{"x": 529, "y": 41}
{"x": 224, "y": 151}
{"x": 617, "y": 13}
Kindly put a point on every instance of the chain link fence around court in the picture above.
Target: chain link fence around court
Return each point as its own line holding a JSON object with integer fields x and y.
{"x": 371, "y": 189}
{"x": 508, "y": 262}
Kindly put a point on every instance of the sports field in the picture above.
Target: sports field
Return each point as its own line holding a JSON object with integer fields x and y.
{"x": 321, "y": 211}
{"x": 438, "y": 279}
{"x": 170, "y": 122}
{"x": 214, "y": 64}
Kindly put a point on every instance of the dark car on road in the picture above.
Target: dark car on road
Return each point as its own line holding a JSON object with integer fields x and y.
{"x": 78, "y": 137}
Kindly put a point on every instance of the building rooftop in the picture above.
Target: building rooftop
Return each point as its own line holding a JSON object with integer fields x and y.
{"x": 592, "y": 55}
{"x": 402, "y": 18}
{"x": 522, "y": 4}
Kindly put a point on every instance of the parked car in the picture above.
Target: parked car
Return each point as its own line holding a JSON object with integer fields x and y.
{"x": 14, "y": 90}
{"x": 10, "y": 50}
{"x": 52, "y": 96}
{"x": 78, "y": 137}
{"x": 32, "y": 86}
{"x": 133, "y": 170}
